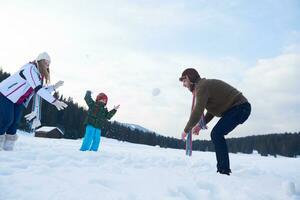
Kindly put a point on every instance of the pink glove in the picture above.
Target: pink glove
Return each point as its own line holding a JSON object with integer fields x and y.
{"x": 183, "y": 135}
{"x": 196, "y": 129}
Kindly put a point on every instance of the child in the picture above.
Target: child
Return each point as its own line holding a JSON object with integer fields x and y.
{"x": 97, "y": 116}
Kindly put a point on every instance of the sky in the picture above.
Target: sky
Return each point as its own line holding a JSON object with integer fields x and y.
{"x": 128, "y": 49}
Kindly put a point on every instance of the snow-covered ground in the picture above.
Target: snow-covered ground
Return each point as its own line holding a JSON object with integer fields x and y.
{"x": 54, "y": 169}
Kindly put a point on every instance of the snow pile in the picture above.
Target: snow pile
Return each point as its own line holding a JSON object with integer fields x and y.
{"x": 289, "y": 188}
{"x": 55, "y": 169}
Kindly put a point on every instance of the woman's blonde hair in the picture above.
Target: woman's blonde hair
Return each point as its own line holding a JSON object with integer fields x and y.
{"x": 45, "y": 72}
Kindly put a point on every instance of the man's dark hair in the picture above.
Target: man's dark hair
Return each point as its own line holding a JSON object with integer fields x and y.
{"x": 191, "y": 73}
{"x": 193, "y": 76}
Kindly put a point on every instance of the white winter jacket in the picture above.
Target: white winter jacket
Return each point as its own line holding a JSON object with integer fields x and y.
{"x": 20, "y": 87}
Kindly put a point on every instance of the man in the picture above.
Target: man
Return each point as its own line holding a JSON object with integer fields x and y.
{"x": 221, "y": 100}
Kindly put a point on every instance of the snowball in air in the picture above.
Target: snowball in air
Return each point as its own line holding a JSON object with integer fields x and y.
{"x": 155, "y": 91}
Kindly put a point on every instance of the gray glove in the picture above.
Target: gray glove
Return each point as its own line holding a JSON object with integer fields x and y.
{"x": 58, "y": 84}
{"x": 30, "y": 116}
{"x": 59, "y": 105}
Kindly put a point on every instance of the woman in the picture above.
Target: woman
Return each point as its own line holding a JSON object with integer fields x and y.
{"x": 16, "y": 92}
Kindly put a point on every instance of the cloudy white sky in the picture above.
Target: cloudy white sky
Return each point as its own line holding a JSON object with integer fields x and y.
{"x": 128, "y": 48}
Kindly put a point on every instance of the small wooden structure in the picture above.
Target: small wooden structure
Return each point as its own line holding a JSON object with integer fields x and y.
{"x": 49, "y": 132}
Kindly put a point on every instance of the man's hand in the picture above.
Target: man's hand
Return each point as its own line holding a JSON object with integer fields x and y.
{"x": 183, "y": 135}
{"x": 196, "y": 129}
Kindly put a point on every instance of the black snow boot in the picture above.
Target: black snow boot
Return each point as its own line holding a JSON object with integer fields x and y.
{"x": 224, "y": 171}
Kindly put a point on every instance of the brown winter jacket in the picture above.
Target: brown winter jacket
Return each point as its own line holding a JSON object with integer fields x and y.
{"x": 216, "y": 97}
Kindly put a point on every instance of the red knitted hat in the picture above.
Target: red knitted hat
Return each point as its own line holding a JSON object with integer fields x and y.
{"x": 101, "y": 96}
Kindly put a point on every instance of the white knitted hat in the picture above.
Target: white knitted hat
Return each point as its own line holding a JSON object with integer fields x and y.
{"x": 43, "y": 56}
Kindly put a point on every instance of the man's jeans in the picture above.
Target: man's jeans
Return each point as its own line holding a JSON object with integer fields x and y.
{"x": 230, "y": 119}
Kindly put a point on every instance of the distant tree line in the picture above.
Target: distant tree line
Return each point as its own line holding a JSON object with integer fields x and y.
{"x": 70, "y": 121}
{"x": 286, "y": 144}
